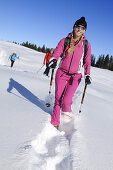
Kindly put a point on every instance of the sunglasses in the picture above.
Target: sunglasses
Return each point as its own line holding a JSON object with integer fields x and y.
{"x": 80, "y": 27}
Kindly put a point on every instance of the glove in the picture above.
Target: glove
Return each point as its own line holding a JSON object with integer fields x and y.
{"x": 52, "y": 63}
{"x": 88, "y": 79}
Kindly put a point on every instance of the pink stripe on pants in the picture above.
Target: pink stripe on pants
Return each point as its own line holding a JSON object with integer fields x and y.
{"x": 64, "y": 93}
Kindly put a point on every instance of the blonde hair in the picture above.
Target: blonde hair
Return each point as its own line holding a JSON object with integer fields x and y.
{"x": 72, "y": 48}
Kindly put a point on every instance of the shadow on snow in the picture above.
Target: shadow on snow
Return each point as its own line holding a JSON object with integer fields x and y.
{"x": 27, "y": 95}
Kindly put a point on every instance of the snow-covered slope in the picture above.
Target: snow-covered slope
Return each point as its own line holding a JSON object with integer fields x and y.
{"x": 28, "y": 141}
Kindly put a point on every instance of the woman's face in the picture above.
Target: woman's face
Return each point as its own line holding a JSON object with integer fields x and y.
{"x": 79, "y": 30}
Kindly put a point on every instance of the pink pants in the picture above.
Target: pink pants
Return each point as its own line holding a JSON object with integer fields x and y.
{"x": 64, "y": 93}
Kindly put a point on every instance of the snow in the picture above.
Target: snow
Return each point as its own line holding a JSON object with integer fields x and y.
{"x": 27, "y": 139}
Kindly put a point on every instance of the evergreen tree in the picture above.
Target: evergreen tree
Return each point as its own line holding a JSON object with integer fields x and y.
{"x": 39, "y": 49}
{"x": 111, "y": 63}
{"x": 106, "y": 62}
{"x": 92, "y": 60}
{"x": 47, "y": 50}
{"x": 43, "y": 49}
{"x": 100, "y": 61}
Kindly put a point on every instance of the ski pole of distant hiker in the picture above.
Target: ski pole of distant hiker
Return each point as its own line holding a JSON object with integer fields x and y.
{"x": 40, "y": 68}
{"x": 83, "y": 97}
{"x": 51, "y": 81}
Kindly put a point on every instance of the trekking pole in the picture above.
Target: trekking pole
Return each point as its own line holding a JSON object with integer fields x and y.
{"x": 51, "y": 81}
{"x": 48, "y": 104}
{"x": 83, "y": 97}
{"x": 40, "y": 68}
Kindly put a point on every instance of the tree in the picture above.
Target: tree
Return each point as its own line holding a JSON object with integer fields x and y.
{"x": 111, "y": 63}
{"x": 47, "y": 50}
{"x": 106, "y": 62}
{"x": 39, "y": 49}
{"x": 92, "y": 60}
{"x": 43, "y": 49}
{"x": 100, "y": 61}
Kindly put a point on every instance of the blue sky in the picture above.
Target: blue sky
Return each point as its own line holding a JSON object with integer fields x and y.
{"x": 46, "y": 22}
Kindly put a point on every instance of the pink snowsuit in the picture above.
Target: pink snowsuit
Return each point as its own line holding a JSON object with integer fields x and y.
{"x": 70, "y": 68}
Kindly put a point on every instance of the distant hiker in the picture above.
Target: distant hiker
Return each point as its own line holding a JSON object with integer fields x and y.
{"x": 69, "y": 73}
{"x": 46, "y": 59}
{"x": 12, "y": 57}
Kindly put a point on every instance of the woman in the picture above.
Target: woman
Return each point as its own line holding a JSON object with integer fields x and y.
{"x": 46, "y": 59}
{"x": 68, "y": 75}
{"x": 12, "y": 57}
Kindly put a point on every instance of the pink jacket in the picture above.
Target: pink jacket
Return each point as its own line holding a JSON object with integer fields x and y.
{"x": 74, "y": 62}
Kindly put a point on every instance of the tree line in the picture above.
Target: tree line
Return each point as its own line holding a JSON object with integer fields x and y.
{"x": 42, "y": 49}
{"x": 105, "y": 62}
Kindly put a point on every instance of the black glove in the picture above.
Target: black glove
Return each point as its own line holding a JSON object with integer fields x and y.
{"x": 52, "y": 63}
{"x": 88, "y": 80}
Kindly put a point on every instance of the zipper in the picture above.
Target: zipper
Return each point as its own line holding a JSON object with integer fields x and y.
{"x": 71, "y": 62}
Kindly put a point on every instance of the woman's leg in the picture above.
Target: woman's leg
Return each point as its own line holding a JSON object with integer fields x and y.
{"x": 12, "y": 62}
{"x": 47, "y": 69}
{"x": 60, "y": 83}
{"x": 69, "y": 93}
{"x": 45, "y": 72}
